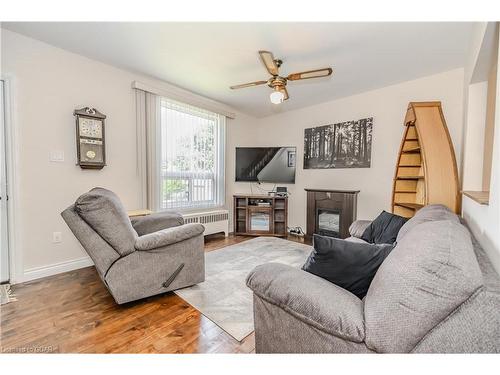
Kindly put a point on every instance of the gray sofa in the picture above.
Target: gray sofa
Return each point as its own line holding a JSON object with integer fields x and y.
{"x": 140, "y": 258}
{"x": 436, "y": 292}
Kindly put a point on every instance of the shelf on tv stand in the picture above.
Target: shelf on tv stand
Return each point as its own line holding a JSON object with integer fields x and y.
{"x": 246, "y": 208}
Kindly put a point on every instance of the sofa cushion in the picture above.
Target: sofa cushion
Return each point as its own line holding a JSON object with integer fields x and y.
{"x": 430, "y": 272}
{"x": 310, "y": 299}
{"x": 384, "y": 229}
{"x": 104, "y": 212}
{"x": 350, "y": 265}
{"x": 432, "y": 212}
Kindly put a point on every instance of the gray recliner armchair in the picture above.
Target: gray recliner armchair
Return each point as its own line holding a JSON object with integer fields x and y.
{"x": 141, "y": 257}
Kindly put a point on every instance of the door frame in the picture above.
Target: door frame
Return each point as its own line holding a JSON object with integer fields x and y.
{"x": 4, "y": 196}
{"x": 16, "y": 269}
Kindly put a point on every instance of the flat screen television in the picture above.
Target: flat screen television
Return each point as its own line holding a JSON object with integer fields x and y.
{"x": 266, "y": 164}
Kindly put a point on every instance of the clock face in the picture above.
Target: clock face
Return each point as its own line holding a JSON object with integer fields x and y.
{"x": 90, "y": 128}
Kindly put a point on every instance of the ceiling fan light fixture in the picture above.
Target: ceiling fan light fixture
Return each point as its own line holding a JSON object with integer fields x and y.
{"x": 277, "y": 97}
{"x": 279, "y": 83}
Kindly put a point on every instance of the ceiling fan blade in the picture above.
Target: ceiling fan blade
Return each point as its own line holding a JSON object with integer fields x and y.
{"x": 268, "y": 61}
{"x": 285, "y": 92}
{"x": 310, "y": 74}
{"x": 257, "y": 83}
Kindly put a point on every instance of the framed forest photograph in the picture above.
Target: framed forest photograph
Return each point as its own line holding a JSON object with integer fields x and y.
{"x": 342, "y": 145}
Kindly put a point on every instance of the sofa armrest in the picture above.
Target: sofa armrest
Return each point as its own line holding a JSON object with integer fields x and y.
{"x": 156, "y": 221}
{"x": 311, "y": 299}
{"x": 168, "y": 236}
{"x": 358, "y": 227}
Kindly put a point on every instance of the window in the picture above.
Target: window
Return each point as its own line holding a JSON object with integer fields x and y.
{"x": 191, "y": 159}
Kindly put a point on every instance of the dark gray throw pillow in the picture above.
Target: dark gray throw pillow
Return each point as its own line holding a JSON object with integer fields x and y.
{"x": 350, "y": 265}
{"x": 384, "y": 229}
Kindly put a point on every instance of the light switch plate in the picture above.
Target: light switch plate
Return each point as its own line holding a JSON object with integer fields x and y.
{"x": 56, "y": 156}
{"x": 56, "y": 237}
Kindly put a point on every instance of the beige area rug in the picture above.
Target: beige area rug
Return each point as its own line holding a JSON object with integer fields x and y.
{"x": 224, "y": 297}
{"x": 6, "y": 295}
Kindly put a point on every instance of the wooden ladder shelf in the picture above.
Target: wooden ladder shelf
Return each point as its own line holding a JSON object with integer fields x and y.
{"x": 426, "y": 170}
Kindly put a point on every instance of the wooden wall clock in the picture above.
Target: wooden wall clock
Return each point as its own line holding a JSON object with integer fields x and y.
{"x": 90, "y": 141}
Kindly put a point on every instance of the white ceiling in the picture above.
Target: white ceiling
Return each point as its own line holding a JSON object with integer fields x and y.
{"x": 207, "y": 58}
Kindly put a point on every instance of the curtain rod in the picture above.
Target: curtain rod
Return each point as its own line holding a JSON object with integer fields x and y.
{"x": 187, "y": 97}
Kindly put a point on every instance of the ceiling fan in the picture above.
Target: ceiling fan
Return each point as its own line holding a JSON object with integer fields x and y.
{"x": 278, "y": 83}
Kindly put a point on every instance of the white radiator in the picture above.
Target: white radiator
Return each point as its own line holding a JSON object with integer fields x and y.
{"x": 213, "y": 221}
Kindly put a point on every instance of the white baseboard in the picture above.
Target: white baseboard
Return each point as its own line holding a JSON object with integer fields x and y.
{"x": 54, "y": 269}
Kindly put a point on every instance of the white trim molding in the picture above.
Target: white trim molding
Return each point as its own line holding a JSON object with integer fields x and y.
{"x": 16, "y": 264}
{"x": 54, "y": 269}
{"x": 184, "y": 96}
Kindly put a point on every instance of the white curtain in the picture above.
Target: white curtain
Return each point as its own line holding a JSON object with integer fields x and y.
{"x": 180, "y": 154}
{"x": 148, "y": 150}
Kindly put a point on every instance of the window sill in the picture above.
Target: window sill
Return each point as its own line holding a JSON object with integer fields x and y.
{"x": 137, "y": 213}
{"x": 481, "y": 197}
{"x": 192, "y": 210}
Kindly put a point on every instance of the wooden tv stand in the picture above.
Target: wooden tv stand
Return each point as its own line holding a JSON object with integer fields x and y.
{"x": 252, "y": 219}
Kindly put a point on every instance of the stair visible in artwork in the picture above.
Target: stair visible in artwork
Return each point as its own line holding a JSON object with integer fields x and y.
{"x": 260, "y": 162}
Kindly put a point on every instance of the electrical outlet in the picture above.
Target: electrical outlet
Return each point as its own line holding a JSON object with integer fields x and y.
{"x": 56, "y": 237}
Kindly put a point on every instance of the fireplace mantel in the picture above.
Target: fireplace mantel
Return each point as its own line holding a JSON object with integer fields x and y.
{"x": 333, "y": 191}
{"x": 342, "y": 202}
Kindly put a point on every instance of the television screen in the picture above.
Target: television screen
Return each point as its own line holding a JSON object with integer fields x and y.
{"x": 266, "y": 164}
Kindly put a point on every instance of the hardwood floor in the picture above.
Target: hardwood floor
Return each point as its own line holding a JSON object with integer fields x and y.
{"x": 74, "y": 313}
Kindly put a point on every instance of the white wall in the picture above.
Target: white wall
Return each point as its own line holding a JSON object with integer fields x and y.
{"x": 48, "y": 84}
{"x": 472, "y": 178}
{"x": 388, "y": 107}
{"x": 483, "y": 220}
{"x": 238, "y": 134}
